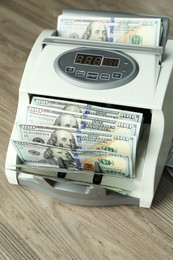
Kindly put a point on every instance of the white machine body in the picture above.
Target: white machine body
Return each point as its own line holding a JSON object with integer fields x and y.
{"x": 150, "y": 89}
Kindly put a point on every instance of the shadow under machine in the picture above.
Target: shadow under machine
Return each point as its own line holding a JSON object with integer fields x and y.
{"x": 142, "y": 81}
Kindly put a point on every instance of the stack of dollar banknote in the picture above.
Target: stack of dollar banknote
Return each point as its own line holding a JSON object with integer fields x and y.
{"x": 79, "y": 135}
{"x": 120, "y": 30}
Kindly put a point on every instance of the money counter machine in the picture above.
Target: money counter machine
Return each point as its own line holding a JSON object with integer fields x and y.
{"x": 142, "y": 81}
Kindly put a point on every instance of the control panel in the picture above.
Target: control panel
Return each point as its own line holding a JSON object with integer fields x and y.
{"x": 96, "y": 69}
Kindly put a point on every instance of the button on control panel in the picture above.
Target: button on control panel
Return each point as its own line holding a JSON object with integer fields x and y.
{"x": 92, "y": 75}
{"x": 80, "y": 73}
{"x": 69, "y": 69}
{"x": 104, "y": 76}
{"x": 95, "y": 68}
{"x": 116, "y": 75}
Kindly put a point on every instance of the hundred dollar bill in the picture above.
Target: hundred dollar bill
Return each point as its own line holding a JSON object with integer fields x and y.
{"x": 138, "y": 31}
{"x": 51, "y": 116}
{"x": 110, "y": 163}
{"x": 73, "y": 139}
{"x": 87, "y": 109}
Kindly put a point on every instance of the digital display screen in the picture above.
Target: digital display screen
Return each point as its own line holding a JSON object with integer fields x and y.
{"x": 88, "y": 59}
{"x": 111, "y": 62}
{"x": 96, "y": 60}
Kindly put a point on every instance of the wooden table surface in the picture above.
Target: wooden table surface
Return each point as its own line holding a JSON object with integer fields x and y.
{"x": 35, "y": 226}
